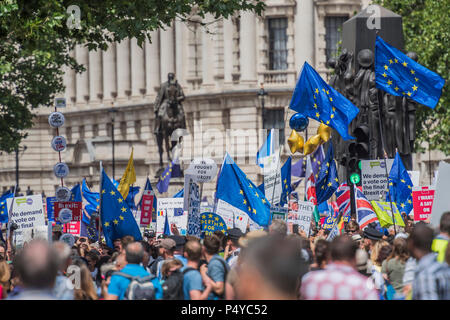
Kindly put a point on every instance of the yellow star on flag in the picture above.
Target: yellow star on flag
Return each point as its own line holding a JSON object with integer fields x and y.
{"x": 317, "y": 90}
{"x": 103, "y": 191}
{"x": 116, "y": 221}
{"x": 263, "y": 201}
{"x": 254, "y": 211}
{"x": 396, "y": 61}
{"x": 384, "y": 74}
{"x": 405, "y": 64}
{"x": 417, "y": 79}
{"x": 390, "y": 61}
{"x": 245, "y": 201}
{"x": 241, "y": 192}
{"x": 123, "y": 209}
{"x": 386, "y": 67}
{"x": 332, "y": 116}
{"x": 412, "y": 71}
{"x": 210, "y": 216}
{"x": 336, "y": 179}
{"x": 203, "y": 217}
{"x": 106, "y": 224}
{"x": 120, "y": 200}
{"x": 409, "y": 93}
{"x": 414, "y": 88}
{"x": 315, "y": 105}
{"x": 112, "y": 192}
{"x": 389, "y": 82}
{"x": 396, "y": 88}
{"x": 121, "y": 217}
{"x": 329, "y": 184}
{"x": 317, "y": 115}
{"x": 333, "y": 108}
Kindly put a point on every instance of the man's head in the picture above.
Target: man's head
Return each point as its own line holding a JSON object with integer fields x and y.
{"x": 118, "y": 245}
{"x": 193, "y": 250}
{"x": 134, "y": 253}
{"x": 120, "y": 261}
{"x": 147, "y": 252}
{"x": 171, "y": 77}
{"x": 63, "y": 253}
{"x": 371, "y": 236}
{"x": 343, "y": 249}
{"x": 211, "y": 245}
{"x": 278, "y": 228}
{"x": 37, "y": 265}
{"x": 420, "y": 240}
{"x": 180, "y": 241}
{"x": 444, "y": 225}
{"x": 351, "y": 228}
{"x": 92, "y": 258}
{"x": 126, "y": 240}
{"x": 166, "y": 247}
{"x": 271, "y": 268}
{"x": 233, "y": 237}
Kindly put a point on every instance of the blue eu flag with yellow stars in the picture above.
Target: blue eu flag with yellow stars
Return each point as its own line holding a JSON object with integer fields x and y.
{"x": 116, "y": 217}
{"x": 327, "y": 182}
{"x": 3, "y": 206}
{"x": 400, "y": 186}
{"x": 399, "y": 75}
{"x": 75, "y": 193}
{"x": 237, "y": 190}
{"x": 172, "y": 171}
{"x": 286, "y": 187}
{"x": 314, "y": 98}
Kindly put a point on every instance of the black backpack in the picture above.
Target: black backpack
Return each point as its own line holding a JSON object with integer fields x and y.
{"x": 173, "y": 286}
{"x": 140, "y": 288}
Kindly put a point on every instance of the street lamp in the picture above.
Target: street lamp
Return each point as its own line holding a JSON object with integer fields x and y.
{"x": 261, "y": 94}
{"x": 112, "y": 112}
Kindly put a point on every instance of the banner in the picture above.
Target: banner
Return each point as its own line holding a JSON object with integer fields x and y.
{"x": 278, "y": 213}
{"x": 422, "y": 202}
{"x": 146, "y": 209}
{"x": 28, "y": 213}
{"x": 73, "y": 228}
{"x": 173, "y": 207}
{"x": 272, "y": 178}
{"x": 75, "y": 207}
{"x": 301, "y": 217}
{"x": 233, "y": 217}
{"x": 384, "y": 214}
{"x": 192, "y": 201}
{"x": 441, "y": 196}
{"x": 373, "y": 178}
{"x": 210, "y": 223}
{"x": 50, "y": 208}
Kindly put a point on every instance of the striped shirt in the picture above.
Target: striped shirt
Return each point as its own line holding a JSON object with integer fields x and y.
{"x": 431, "y": 279}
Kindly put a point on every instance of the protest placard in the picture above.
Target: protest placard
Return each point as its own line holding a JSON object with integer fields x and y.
{"x": 422, "y": 202}
{"x": 173, "y": 207}
{"x": 146, "y": 209}
{"x": 73, "y": 228}
{"x": 301, "y": 217}
{"x": 279, "y": 212}
{"x": 192, "y": 205}
{"x": 212, "y": 222}
{"x": 272, "y": 178}
{"x": 203, "y": 169}
{"x": 441, "y": 195}
{"x": 75, "y": 207}
{"x": 28, "y": 213}
{"x": 233, "y": 217}
{"x": 373, "y": 178}
{"x": 50, "y": 208}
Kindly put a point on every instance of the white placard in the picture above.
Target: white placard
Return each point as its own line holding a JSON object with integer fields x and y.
{"x": 233, "y": 217}
{"x": 28, "y": 213}
{"x": 373, "y": 178}
{"x": 56, "y": 119}
{"x": 38, "y": 232}
{"x": 59, "y": 143}
{"x": 61, "y": 170}
{"x": 302, "y": 217}
{"x": 441, "y": 201}
{"x": 169, "y": 206}
{"x": 415, "y": 177}
{"x": 60, "y": 102}
{"x": 203, "y": 169}
{"x": 273, "y": 186}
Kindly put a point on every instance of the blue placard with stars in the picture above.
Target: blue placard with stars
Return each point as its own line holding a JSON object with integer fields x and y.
{"x": 211, "y": 222}
{"x": 116, "y": 217}
{"x": 399, "y": 75}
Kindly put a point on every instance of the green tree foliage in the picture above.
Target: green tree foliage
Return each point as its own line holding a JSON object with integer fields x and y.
{"x": 426, "y": 29}
{"x": 36, "y": 42}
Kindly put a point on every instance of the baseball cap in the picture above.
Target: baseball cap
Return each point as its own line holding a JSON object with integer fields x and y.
{"x": 179, "y": 240}
{"x": 372, "y": 234}
{"x": 356, "y": 237}
{"x": 235, "y": 233}
{"x": 167, "y": 244}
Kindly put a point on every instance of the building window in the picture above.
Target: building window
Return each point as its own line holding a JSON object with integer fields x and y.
{"x": 274, "y": 118}
{"x": 333, "y": 34}
{"x": 278, "y": 44}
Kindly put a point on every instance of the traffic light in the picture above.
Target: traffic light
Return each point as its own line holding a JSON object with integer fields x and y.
{"x": 358, "y": 150}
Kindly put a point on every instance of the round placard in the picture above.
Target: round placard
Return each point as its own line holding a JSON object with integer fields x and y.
{"x": 56, "y": 119}
{"x": 68, "y": 238}
{"x": 61, "y": 170}
{"x": 65, "y": 215}
{"x": 59, "y": 143}
{"x": 63, "y": 194}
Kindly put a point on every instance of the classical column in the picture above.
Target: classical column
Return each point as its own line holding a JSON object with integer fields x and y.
{"x": 247, "y": 47}
{"x": 123, "y": 69}
{"x": 109, "y": 73}
{"x": 207, "y": 55}
{"x": 82, "y": 79}
{"x": 167, "y": 50}
{"x": 227, "y": 50}
{"x": 304, "y": 33}
{"x": 69, "y": 82}
{"x": 180, "y": 51}
{"x": 137, "y": 69}
{"x": 152, "y": 70}
{"x": 95, "y": 75}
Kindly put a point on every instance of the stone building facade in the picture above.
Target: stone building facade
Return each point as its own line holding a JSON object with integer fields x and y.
{"x": 220, "y": 68}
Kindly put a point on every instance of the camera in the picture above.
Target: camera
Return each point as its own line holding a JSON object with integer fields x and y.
{"x": 14, "y": 226}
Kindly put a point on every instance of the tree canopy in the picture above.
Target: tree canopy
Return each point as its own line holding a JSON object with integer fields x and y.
{"x": 37, "y": 37}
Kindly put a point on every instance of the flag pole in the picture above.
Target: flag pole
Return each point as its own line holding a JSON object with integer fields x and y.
{"x": 100, "y": 204}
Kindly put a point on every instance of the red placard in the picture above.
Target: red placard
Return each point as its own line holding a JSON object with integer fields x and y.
{"x": 146, "y": 209}
{"x": 422, "y": 202}
{"x": 76, "y": 208}
{"x": 73, "y": 227}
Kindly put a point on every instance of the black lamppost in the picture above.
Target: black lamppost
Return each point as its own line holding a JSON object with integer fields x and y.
{"x": 113, "y": 115}
{"x": 261, "y": 94}
{"x": 17, "y": 166}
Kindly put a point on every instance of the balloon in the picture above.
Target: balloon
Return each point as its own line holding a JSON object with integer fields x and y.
{"x": 325, "y": 132}
{"x": 295, "y": 142}
{"x": 298, "y": 122}
{"x": 312, "y": 144}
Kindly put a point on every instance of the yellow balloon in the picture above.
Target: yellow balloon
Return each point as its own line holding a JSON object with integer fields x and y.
{"x": 295, "y": 142}
{"x": 325, "y": 132}
{"x": 312, "y": 144}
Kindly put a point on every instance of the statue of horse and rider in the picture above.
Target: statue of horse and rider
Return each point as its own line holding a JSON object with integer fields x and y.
{"x": 169, "y": 115}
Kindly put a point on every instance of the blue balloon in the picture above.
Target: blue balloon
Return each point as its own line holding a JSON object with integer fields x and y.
{"x": 298, "y": 122}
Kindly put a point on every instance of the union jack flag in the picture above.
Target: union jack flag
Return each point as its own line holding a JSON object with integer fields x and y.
{"x": 310, "y": 182}
{"x": 343, "y": 199}
{"x": 364, "y": 210}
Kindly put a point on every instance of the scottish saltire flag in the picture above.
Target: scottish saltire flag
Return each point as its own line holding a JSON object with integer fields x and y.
{"x": 3, "y": 206}
{"x": 269, "y": 147}
{"x": 314, "y": 98}
{"x": 327, "y": 181}
{"x": 343, "y": 199}
{"x": 310, "y": 187}
{"x": 238, "y": 191}
{"x": 148, "y": 189}
{"x": 364, "y": 210}
{"x": 179, "y": 194}
{"x": 399, "y": 75}
{"x": 286, "y": 182}
{"x": 400, "y": 186}
{"x": 116, "y": 217}
{"x": 317, "y": 158}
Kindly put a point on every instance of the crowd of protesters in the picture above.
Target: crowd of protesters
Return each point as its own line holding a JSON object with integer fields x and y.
{"x": 274, "y": 264}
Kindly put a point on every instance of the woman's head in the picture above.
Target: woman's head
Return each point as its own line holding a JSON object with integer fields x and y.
{"x": 322, "y": 252}
{"x": 383, "y": 254}
{"x": 170, "y": 266}
{"x": 400, "y": 250}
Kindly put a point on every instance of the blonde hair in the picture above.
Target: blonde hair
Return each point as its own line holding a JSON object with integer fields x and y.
{"x": 376, "y": 250}
{"x": 169, "y": 264}
{"x": 87, "y": 288}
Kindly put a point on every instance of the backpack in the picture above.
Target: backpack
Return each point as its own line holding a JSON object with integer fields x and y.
{"x": 173, "y": 286}
{"x": 140, "y": 288}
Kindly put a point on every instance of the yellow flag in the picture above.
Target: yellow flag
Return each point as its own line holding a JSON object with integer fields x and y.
{"x": 128, "y": 178}
{"x": 383, "y": 212}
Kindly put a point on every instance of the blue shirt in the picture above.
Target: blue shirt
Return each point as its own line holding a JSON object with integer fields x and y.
{"x": 119, "y": 284}
{"x": 192, "y": 280}
{"x": 216, "y": 272}
{"x": 181, "y": 258}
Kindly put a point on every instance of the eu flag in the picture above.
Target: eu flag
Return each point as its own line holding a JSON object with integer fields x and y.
{"x": 286, "y": 181}
{"x": 76, "y": 193}
{"x": 399, "y": 75}
{"x": 115, "y": 215}
{"x": 327, "y": 182}
{"x": 3, "y": 206}
{"x": 237, "y": 190}
{"x": 164, "y": 179}
{"x": 299, "y": 168}
{"x": 93, "y": 198}
{"x": 314, "y": 98}
{"x": 133, "y": 191}
{"x": 400, "y": 186}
